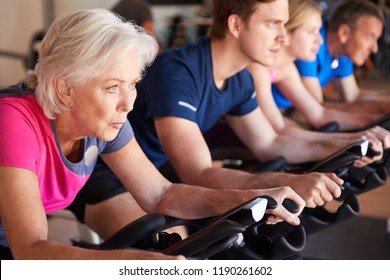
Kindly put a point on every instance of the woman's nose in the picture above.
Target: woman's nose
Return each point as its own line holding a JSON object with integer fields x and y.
{"x": 127, "y": 100}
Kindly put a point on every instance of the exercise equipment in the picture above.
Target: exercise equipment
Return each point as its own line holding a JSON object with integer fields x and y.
{"x": 341, "y": 162}
{"x": 336, "y": 162}
{"x": 210, "y": 236}
{"x": 356, "y": 180}
{"x": 221, "y": 237}
{"x": 261, "y": 241}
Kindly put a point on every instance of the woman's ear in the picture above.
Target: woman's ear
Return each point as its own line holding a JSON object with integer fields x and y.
{"x": 63, "y": 91}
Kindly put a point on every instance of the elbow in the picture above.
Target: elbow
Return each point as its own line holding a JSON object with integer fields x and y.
{"x": 321, "y": 119}
{"x": 194, "y": 176}
{"x": 350, "y": 97}
{"x": 264, "y": 154}
{"x": 33, "y": 251}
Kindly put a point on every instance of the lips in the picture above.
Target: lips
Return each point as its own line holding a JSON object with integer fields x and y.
{"x": 117, "y": 125}
{"x": 275, "y": 49}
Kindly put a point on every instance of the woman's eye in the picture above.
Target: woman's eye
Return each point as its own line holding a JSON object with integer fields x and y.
{"x": 133, "y": 86}
{"x": 112, "y": 89}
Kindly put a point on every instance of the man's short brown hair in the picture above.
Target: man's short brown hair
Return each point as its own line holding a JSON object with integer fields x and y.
{"x": 222, "y": 9}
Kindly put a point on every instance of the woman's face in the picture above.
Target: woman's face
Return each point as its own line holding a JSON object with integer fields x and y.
{"x": 101, "y": 104}
{"x": 305, "y": 41}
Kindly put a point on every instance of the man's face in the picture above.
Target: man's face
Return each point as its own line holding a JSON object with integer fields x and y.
{"x": 363, "y": 40}
{"x": 263, "y": 35}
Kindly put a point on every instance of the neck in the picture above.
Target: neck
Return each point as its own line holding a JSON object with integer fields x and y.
{"x": 226, "y": 61}
{"x": 334, "y": 45}
{"x": 283, "y": 59}
{"x": 285, "y": 56}
{"x": 69, "y": 145}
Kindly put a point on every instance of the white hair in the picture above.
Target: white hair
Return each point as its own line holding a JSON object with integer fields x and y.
{"x": 79, "y": 46}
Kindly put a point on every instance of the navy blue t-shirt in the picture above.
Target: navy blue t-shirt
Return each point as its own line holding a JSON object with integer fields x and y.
{"x": 180, "y": 83}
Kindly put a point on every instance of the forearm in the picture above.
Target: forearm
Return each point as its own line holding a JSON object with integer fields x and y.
{"x": 201, "y": 202}
{"x": 377, "y": 136}
{"x": 319, "y": 116}
{"x": 371, "y": 107}
{"x": 348, "y": 120}
{"x": 299, "y": 146}
{"x": 379, "y": 107}
{"x": 219, "y": 178}
{"x": 334, "y": 138}
{"x": 305, "y": 146}
{"x": 46, "y": 250}
{"x": 193, "y": 202}
{"x": 373, "y": 94}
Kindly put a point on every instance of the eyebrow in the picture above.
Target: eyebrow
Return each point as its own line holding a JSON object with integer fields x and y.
{"x": 277, "y": 20}
{"x": 124, "y": 81}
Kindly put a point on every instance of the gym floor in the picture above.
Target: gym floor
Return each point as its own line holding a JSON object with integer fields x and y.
{"x": 366, "y": 237}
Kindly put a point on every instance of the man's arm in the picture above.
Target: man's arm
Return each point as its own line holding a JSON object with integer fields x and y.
{"x": 289, "y": 82}
{"x": 363, "y": 100}
{"x": 265, "y": 143}
{"x": 347, "y": 88}
{"x": 189, "y": 154}
{"x": 291, "y": 86}
{"x": 156, "y": 194}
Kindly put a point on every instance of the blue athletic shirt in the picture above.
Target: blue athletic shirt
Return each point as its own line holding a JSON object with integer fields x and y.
{"x": 180, "y": 83}
{"x": 319, "y": 68}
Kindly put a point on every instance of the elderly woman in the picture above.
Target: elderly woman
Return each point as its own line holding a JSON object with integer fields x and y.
{"x": 72, "y": 108}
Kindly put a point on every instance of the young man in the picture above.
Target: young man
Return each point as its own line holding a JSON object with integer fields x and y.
{"x": 350, "y": 35}
{"x": 188, "y": 89}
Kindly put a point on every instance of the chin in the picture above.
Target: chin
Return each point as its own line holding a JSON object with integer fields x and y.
{"x": 309, "y": 57}
{"x": 267, "y": 62}
{"x": 359, "y": 62}
{"x": 107, "y": 137}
